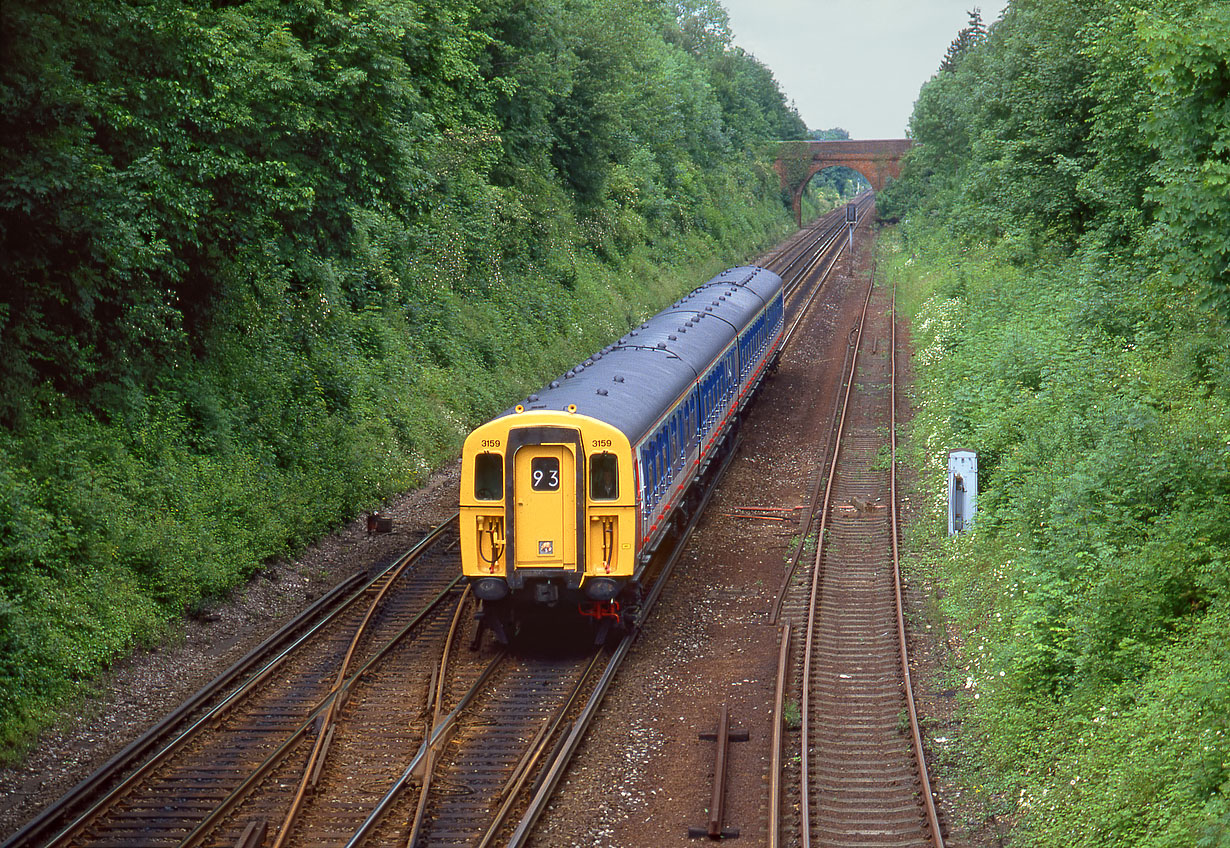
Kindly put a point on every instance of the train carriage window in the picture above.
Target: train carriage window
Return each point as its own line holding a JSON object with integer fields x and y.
{"x": 489, "y": 477}
{"x": 651, "y": 475}
{"x": 603, "y": 477}
{"x": 658, "y": 465}
{"x": 664, "y": 459}
{"x": 658, "y": 473}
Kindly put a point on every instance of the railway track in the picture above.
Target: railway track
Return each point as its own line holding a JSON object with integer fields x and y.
{"x": 322, "y": 743}
{"x": 798, "y": 255}
{"x": 816, "y": 246}
{"x": 509, "y": 739}
{"x": 190, "y": 778}
{"x": 364, "y": 723}
{"x": 861, "y": 777}
{"x": 488, "y": 742}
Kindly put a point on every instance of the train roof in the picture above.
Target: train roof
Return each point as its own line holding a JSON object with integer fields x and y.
{"x": 630, "y": 383}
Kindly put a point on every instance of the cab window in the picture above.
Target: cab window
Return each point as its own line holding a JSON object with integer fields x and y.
{"x": 603, "y": 477}
{"x": 489, "y": 477}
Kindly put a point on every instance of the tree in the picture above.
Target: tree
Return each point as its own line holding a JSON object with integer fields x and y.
{"x": 1188, "y": 124}
{"x": 969, "y": 37}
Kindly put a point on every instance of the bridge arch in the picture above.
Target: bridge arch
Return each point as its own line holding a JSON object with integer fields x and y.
{"x": 798, "y": 161}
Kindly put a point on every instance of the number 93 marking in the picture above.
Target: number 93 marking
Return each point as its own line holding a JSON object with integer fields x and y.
{"x": 544, "y": 474}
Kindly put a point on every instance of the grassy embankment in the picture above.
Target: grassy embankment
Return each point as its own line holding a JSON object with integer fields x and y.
{"x": 1086, "y": 615}
{"x": 265, "y": 264}
{"x": 251, "y": 456}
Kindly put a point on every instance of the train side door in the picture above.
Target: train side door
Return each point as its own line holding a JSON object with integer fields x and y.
{"x": 545, "y": 507}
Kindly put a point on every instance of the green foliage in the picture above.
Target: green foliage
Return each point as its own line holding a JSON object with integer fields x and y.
{"x": 1187, "y": 49}
{"x": 1000, "y": 135}
{"x": 266, "y": 264}
{"x": 841, "y": 181}
{"x": 1064, "y": 257}
{"x": 795, "y": 158}
{"x": 1090, "y": 597}
{"x": 969, "y": 37}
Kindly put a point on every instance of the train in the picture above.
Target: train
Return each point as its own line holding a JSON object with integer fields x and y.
{"x": 566, "y": 496}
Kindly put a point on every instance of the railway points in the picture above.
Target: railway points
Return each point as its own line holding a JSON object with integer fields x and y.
{"x": 393, "y": 742}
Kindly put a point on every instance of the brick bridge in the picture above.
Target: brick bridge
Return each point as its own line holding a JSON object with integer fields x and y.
{"x": 798, "y": 161}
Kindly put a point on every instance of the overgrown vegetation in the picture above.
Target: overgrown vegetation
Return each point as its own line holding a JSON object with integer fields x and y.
{"x": 1064, "y": 244}
{"x": 265, "y": 263}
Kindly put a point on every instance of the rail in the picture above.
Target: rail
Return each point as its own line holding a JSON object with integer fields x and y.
{"x": 850, "y": 529}
{"x": 121, "y": 776}
{"x": 817, "y": 568}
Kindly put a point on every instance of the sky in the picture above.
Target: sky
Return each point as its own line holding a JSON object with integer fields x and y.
{"x": 855, "y": 64}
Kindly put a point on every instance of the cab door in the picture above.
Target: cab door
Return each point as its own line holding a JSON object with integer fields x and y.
{"x": 545, "y": 506}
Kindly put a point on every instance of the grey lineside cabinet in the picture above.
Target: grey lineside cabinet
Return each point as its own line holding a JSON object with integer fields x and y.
{"x": 962, "y": 490}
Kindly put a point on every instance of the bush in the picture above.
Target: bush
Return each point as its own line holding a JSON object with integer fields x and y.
{"x": 1088, "y": 601}
{"x": 270, "y": 263}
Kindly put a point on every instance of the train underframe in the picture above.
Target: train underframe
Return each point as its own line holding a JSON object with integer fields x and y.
{"x": 545, "y": 599}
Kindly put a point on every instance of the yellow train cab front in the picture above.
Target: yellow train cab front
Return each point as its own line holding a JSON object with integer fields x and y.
{"x": 547, "y": 504}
